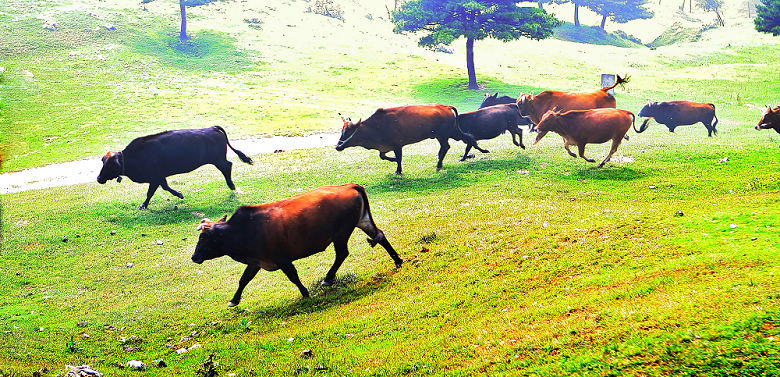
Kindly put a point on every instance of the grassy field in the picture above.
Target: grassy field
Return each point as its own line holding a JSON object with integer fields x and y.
{"x": 519, "y": 262}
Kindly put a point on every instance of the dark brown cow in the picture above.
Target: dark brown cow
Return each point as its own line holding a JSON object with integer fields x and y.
{"x": 271, "y": 236}
{"x": 594, "y": 126}
{"x": 680, "y": 113}
{"x": 770, "y": 120}
{"x": 391, "y": 128}
{"x": 536, "y": 106}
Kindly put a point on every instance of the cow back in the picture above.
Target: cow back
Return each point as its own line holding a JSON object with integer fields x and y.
{"x": 173, "y": 152}
{"x": 301, "y": 225}
{"x": 550, "y": 99}
{"x": 595, "y": 125}
{"x": 393, "y": 127}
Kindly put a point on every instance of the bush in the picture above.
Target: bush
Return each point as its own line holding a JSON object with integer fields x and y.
{"x": 327, "y": 8}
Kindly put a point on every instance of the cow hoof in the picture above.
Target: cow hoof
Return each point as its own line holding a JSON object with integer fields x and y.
{"x": 178, "y": 195}
{"x": 142, "y": 206}
{"x": 326, "y": 283}
{"x": 232, "y": 304}
{"x": 600, "y": 165}
{"x": 590, "y": 160}
{"x": 522, "y": 146}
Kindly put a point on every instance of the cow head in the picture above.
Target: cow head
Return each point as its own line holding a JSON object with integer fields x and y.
{"x": 348, "y": 131}
{"x": 210, "y": 243}
{"x": 648, "y": 111}
{"x": 525, "y": 104}
{"x": 770, "y": 120}
{"x": 489, "y": 100}
{"x": 548, "y": 123}
{"x": 112, "y": 168}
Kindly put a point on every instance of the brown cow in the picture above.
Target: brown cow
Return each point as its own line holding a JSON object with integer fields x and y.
{"x": 536, "y": 106}
{"x": 680, "y": 113}
{"x": 391, "y": 128}
{"x": 594, "y": 126}
{"x": 273, "y": 235}
{"x": 770, "y": 120}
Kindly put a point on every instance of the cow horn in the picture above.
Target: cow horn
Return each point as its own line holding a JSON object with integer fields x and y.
{"x": 342, "y": 118}
{"x": 222, "y": 219}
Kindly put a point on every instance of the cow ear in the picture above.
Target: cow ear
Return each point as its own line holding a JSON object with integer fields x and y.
{"x": 222, "y": 219}
{"x": 108, "y": 154}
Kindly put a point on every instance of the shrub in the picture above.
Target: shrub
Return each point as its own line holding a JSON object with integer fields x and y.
{"x": 327, "y": 8}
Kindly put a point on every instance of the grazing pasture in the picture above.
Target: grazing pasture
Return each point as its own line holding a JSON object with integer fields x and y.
{"x": 517, "y": 262}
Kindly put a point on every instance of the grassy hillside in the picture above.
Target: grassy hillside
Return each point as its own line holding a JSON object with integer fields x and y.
{"x": 519, "y": 262}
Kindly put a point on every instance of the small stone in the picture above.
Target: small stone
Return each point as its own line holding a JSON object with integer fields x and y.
{"x": 65, "y": 239}
{"x": 143, "y": 234}
{"x": 40, "y": 329}
{"x": 290, "y": 339}
{"x": 85, "y": 336}
{"x": 175, "y": 208}
{"x": 181, "y": 351}
{"x": 113, "y": 232}
{"x": 278, "y": 150}
{"x": 194, "y": 346}
{"x": 754, "y": 238}
{"x": 78, "y": 235}
{"x": 307, "y": 353}
{"x": 109, "y": 27}
{"x": 129, "y": 265}
{"x": 130, "y": 349}
{"x": 678, "y": 213}
{"x": 723, "y": 160}
{"x": 82, "y": 324}
{"x": 733, "y": 226}
{"x": 135, "y": 364}
{"x": 159, "y": 242}
{"x": 321, "y": 367}
{"x": 160, "y": 363}
{"x": 652, "y": 187}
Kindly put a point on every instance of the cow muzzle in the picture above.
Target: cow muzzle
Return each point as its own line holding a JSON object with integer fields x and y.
{"x": 762, "y": 126}
{"x": 197, "y": 260}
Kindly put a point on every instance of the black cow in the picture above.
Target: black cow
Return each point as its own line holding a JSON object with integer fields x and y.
{"x": 680, "y": 113}
{"x": 150, "y": 159}
{"x": 489, "y": 122}
{"x": 271, "y": 236}
{"x": 491, "y": 100}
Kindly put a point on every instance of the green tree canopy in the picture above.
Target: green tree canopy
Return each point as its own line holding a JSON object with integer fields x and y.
{"x": 444, "y": 21}
{"x": 620, "y": 11}
{"x": 768, "y": 17}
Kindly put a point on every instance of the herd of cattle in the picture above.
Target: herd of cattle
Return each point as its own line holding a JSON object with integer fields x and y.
{"x": 271, "y": 236}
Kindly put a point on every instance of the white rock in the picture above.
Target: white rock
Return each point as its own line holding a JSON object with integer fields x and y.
{"x": 181, "y": 351}
{"x": 135, "y": 364}
{"x": 194, "y": 346}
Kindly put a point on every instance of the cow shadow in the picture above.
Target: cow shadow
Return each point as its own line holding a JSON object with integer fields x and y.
{"x": 455, "y": 92}
{"x": 170, "y": 211}
{"x": 347, "y": 288}
{"x": 453, "y": 175}
{"x": 609, "y": 172}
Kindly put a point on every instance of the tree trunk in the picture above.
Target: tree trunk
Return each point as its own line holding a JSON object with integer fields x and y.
{"x": 576, "y": 14}
{"x": 682, "y": 7}
{"x": 539, "y": 3}
{"x": 183, "y": 34}
{"x": 470, "y": 63}
{"x": 690, "y": 6}
{"x": 720, "y": 19}
{"x": 603, "y": 21}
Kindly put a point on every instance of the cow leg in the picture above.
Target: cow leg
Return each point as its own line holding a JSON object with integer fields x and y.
{"x": 152, "y": 188}
{"x": 246, "y": 277}
{"x": 378, "y": 237}
{"x": 444, "y": 146}
{"x": 225, "y": 167}
{"x": 514, "y": 130}
{"x": 566, "y": 145}
{"x": 615, "y": 145}
{"x": 581, "y": 148}
{"x": 466, "y": 154}
{"x": 341, "y": 254}
{"x": 396, "y": 159}
{"x": 292, "y": 274}
{"x": 164, "y": 185}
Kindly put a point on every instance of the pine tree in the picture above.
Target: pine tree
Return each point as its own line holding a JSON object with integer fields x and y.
{"x": 444, "y": 21}
{"x": 768, "y": 17}
{"x": 620, "y": 11}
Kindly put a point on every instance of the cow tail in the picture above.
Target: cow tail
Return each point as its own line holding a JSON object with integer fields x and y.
{"x": 714, "y": 116}
{"x": 620, "y": 81}
{"x": 367, "y": 208}
{"x": 642, "y": 128}
{"x": 467, "y": 137}
{"x": 240, "y": 154}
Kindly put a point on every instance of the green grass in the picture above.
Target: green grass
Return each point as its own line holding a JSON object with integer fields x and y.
{"x": 541, "y": 264}
{"x": 519, "y": 262}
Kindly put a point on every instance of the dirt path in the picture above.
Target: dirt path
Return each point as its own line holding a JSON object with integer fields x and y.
{"x": 84, "y": 171}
